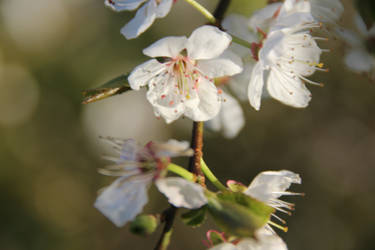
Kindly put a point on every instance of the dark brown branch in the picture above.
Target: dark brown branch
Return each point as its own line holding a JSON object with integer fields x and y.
{"x": 197, "y": 145}
{"x": 220, "y": 10}
{"x": 168, "y": 216}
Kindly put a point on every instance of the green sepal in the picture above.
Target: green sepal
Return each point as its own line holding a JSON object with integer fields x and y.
{"x": 235, "y": 186}
{"x": 238, "y": 214}
{"x": 215, "y": 237}
{"x": 115, "y": 86}
{"x": 194, "y": 218}
{"x": 144, "y": 224}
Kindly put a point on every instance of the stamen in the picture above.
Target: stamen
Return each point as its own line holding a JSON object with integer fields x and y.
{"x": 289, "y": 193}
{"x": 320, "y": 38}
{"x": 277, "y": 217}
{"x": 311, "y": 82}
{"x": 282, "y": 210}
{"x": 285, "y": 229}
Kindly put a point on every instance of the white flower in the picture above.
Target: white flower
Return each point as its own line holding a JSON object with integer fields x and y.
{"x": 146, "y": 15}
{"x": 358, "y": 58}
{"x": 269, "y": 186}
{"x": 137, "y": 167}
{"x": 263, "y": 242}
{"x": 288, "y": 55}
{"x": 230, "y": 119}
{"x": 182, "y": 84}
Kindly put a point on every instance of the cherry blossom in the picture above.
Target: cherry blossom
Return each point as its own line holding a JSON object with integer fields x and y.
{"x": 288, "y": 54}
{"x": 137, "y": 168}
{"x": 180, "y": 78}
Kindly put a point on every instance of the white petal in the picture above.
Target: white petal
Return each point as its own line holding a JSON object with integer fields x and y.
{"x": 349, "y": 37}
{"x": 262, "y": 18}
{"x": 239, "y": 83}
{"x": 163, "y": 8}
{"x": 238, "y": 25}
{"x": 123, "y": 200}
{"x": 143, "y": 73}
{"x": 327, "y": 11}
{"x": 165, "y": 99}
{"x": 166, "y": 47}
{"x": 230, "y": 119}
{"x": 182, "y": 193}
{"x": 129, "y": 149}
{"x": 126, "y": 148}
{"x": 360, "y": 24}
{"x": 207, "y": 42}
{"x": 172, "y": 148}
{"x": 359, "y": 60}
{"x": 294, "y": 6}
{"x": 271, "y": 184}
{"x": 256, "y": 86}
{"x": 141, "y": 22}
{"x": 224, "y": 246}
{"x": 214, "y": 124}
{"x": 271, "y": 242}
{"x": 288, "y": 89}
{"x": 121, "y": 5}
{"x": 307, "y": 54}
{"x": 209, "y": 102}
{"x": 227, "y": 64}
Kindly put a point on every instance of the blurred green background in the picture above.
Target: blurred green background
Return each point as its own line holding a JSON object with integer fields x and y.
{"x": 50, "y": 151}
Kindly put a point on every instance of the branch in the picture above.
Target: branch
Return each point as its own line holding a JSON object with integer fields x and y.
{"x": 220, "y": 10}
{"x": 169, "y": 215}
{"x": 197, "y": 145}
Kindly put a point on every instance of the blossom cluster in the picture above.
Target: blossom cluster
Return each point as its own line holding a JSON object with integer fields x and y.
{"x": 204, "y": 77}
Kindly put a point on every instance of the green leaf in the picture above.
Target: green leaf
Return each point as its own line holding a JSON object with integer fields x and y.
{"x": 115, "y": 86}
{"x": 144, "y": 224}
{"x": 194, "y": 218}
{"x": 238, "y": 214}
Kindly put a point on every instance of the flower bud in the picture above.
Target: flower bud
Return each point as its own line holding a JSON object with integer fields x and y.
{"x": 238, "y": 214}
{"x": 144, "y": 224}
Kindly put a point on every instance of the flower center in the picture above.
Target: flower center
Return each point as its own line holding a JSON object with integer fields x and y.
{"x": 187, "y": 76}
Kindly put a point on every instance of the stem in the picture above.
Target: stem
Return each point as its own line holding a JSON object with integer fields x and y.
{"x": 241, "y": 42}
{"x": 197, "y": 145}
{"x": 211, "y": 177}
{"x": 202, "y": 10}
{"x": 165, "y": 238}
{"x": 181, "y": 172}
